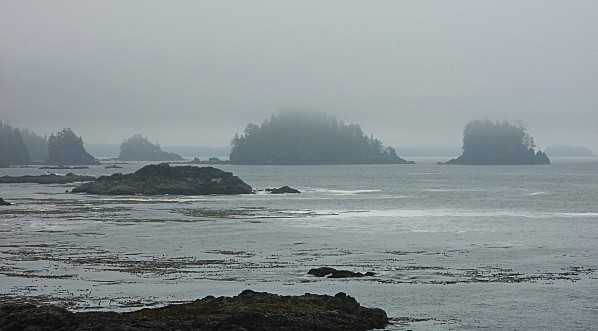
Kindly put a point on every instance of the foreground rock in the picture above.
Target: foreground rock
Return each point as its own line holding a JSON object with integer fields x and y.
{"x": 4, "y": 203}
{"x": 282, "y": 190}
{"x": 46, "y": 179}
{"x": 247, "y": 311}
{"x": 333, "y": 273}
{"x": 163, "y": 179}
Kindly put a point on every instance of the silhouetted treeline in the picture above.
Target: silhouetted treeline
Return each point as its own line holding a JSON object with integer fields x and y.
{"x": 301, "y": 138}
{"x": 486, "y": 142}
{"x": 66, "y": 148}
{"x": 37, "y": 146}
{"x": 12, "y": 147}
{"x": 138, "y": 148}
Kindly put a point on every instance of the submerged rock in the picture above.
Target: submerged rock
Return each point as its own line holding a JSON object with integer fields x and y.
{"x": 46, "y": 179}
{"x": 321, "y": 272}
{"x": 248, "y": 311}
{"x": 163, "y": 179}
{"x": 281, "y": 190}
{"x": 333, "y": 273}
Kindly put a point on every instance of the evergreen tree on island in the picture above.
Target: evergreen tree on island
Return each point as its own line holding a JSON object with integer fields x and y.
{"x": 485, "y": 143}
{"x": 66, "y": 148}
{"x": 13, "y": 150}
{"x": 308, "y": 138}
{"x": 138, "y": 148}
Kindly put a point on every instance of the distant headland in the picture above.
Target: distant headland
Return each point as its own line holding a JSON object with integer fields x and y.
{"x": 568, "y": 151}
{"x": 499, "y": 143}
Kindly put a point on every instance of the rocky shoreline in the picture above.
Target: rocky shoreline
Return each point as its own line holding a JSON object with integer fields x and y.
{"x": 161, "y": 178}
{"x": 46, "y": 179}
{"x": 247, "y": 311}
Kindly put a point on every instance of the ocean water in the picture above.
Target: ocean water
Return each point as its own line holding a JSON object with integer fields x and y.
{"x": 453, "y": 247}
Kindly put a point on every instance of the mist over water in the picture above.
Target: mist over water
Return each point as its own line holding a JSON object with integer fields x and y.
{"x": 453, "y": 247}
{"x": 194, "y": 74}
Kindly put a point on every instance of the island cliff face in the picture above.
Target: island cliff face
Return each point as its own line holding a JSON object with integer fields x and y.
{"x": 161, "y": 178}
{"x": 488, "y": 143}
{"x": 308, "y": 138}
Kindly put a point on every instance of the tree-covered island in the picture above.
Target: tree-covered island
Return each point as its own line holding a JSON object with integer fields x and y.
{"x": 66, "y": 148}
{"x": 486, "y": 142}
{"x": 13, "y": 150}
{"x": 138, "y": 148}
{"x": 308, "y": 138}
{"x": 21, "y": 146}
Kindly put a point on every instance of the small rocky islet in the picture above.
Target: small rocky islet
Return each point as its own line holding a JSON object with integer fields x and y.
{"x": 247, "y": 311}
{"x": 159, "y": 179}
{"x": 156, "y": 179}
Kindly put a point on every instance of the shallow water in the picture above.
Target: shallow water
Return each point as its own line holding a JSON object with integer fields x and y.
{"x": 454, "y": 247}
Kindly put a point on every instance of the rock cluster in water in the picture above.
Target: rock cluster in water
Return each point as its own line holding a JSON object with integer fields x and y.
{"x": 163, "y": 179}
{"x": 282, "y": 190}
{"x": 46, "y": 179}
{"x": 334, "y": 273}
{"x": 248, "y": 311}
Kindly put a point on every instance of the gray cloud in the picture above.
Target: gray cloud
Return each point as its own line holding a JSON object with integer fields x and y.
{"x": 194, "y": 73}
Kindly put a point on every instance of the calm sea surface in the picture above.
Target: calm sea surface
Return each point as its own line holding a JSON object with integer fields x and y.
{"x": 453, "y": 247}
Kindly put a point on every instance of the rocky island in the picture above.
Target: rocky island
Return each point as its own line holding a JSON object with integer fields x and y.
{"x": 164, "y": 179}
{"x": 291, "y": 138}
{"x": 138, "y": 148}
{"x": 247, "y": 311}
{"x": 495, "y": 143}
{"x": 66, "y": 148}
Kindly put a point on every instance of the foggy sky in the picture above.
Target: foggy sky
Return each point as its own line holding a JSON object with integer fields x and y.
{"x": 196, "y": 72}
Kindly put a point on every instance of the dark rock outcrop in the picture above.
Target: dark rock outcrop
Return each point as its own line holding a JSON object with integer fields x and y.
{"x": 163, "y": 179}
{"x": 4, "y": 203}
{"x": 321, "y": 272}
{"x": 248, "y": 311}
{"x": 282, "y": 190}
{"x": 46, "y": 179}
{"x": 333, "y": 273}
